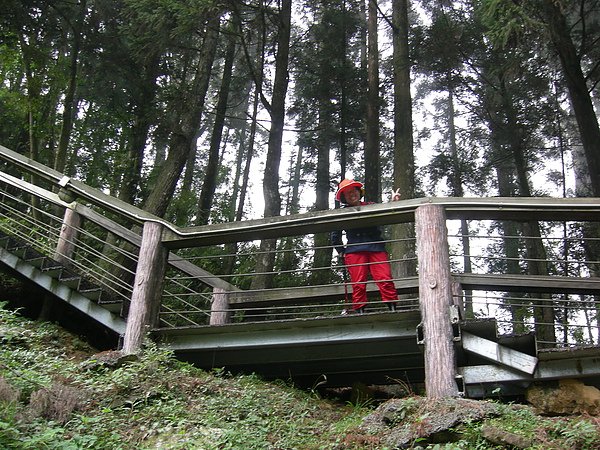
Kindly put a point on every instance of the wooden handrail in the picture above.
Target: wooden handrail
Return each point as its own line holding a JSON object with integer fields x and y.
{"x": 490, "y": 208}
{"x": 494, "y": 208}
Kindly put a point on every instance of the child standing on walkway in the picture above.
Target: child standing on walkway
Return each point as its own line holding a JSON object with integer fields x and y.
{"x": 364, "y": 252}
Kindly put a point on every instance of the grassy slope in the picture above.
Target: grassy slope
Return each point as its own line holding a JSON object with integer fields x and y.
{"x": 53, "y": 395}
{"x": 62, "y": 400}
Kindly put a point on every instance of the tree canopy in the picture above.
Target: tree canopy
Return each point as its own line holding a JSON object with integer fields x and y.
{"x": 152, "y": 100}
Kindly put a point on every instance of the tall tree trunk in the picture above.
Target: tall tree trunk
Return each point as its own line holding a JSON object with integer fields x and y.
{"x": 536, "y": 253}
{"x": 510, "y": 233}
{"x": 240, "y": 124}
{"x": 33, "y": 95}
{"x": 587, "y": 121}
{"x": 404, "y": 160}
{"x": 323, "y": 251}
{"x": 344, "y": 99}
{"x": 403, "y": 247}
{"x": 69, "y": 102}
{"x": 372, "y": 162}
{"x": 212, "y": 167}
{"x": 505, "y": 173}
{"x": 239, "y": 212}
{"x": 266, "y": 257}
{"x": 143, "y": 118}
{"x": 183, "y": 138}
{"x": 289, "y": 258}
{"x": 248, "y": 160}
{"x": 293, "y": 206}
{"x": 458, "y": 191}
{"x": 363, "y": 35}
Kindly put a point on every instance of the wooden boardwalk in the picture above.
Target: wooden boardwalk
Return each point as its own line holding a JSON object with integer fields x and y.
{"x": 374, "y": 348}
{"x": 177, "y": 300}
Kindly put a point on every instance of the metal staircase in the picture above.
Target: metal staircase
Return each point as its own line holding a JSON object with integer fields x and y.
{"x": 62, "y": 282}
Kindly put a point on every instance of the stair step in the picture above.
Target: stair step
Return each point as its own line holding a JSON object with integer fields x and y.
{"x": 69, "y": 278}
{"x": 90, "y": 289}
{"x": 17, "y": 249}
{"x": 51, "y": 267}
{"x": 37, "y": 262}
{"x": 113, "y": 306}
{"x": 70, "y": 281}
{"x": 8, "y": 241}
{"x": 68, "y": 275}
{"x": 49, "y": 264}
{"x": 13, "y": 242}
{"x": 92, "y": 293}
{"x": 4, "y": 240}
{"x": 32, "y": 255}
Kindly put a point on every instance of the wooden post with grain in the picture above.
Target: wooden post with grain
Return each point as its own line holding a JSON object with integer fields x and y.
{"x": 219, "y": 310}
{"x": 63, "y": 254}
{"x": 435, "y": 293}
{"x": 69, "y": 232}
{"x": 147, "y": 287}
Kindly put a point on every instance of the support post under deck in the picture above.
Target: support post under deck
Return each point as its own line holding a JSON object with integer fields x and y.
{"x": 147, "y": 287}
{"x": 435, "y": 298}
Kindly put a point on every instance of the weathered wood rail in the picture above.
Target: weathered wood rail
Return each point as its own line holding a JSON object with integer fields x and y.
{"x": 435, "y": 285}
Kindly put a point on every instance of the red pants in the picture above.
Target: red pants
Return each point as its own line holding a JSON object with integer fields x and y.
{"x": 359, "y": 264}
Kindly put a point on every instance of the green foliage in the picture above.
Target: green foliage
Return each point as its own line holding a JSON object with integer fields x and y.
{"x": 13, "y": 108}
{"x": 154, "y": 401}
{"x": 545, "y": 432}
{"x": 579, "y": 434}
{"x": 507, "y": 21}
{"x": 521, "y": 421}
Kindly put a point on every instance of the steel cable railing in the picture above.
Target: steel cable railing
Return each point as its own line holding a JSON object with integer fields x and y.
{"x": 86, "y": 260}
{"x": 556, "y": 260}
{"x": 576, "y": 325}
{"x": 331, "y": 309}
{"x": 301, "y": 288}
{"x": 572, "y": 322}
{"x": 25, "y": 226}
{"x": 99, "y": 262}
{"x": 300, "y": 307}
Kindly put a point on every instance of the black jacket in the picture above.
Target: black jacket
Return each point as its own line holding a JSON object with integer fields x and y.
{"x": 367, "y": 239}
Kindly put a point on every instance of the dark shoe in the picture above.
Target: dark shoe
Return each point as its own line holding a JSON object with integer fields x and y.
{"x": 391, "y": 306}
{"x": 347, "y": 312}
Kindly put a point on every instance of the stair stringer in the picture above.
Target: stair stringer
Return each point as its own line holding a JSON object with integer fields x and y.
{"x": 64, "y": 292}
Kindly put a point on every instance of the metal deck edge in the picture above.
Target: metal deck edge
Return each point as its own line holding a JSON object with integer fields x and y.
{"x": 302, "y": 332}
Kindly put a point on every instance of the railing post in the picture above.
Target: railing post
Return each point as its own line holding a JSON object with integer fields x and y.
{"x": 69, "y": 231}
{"x": 435, "y": 296}
{"x": 147, "y": 287}
{"x": 219, "y": 309}
{"x": 63, "y": 253}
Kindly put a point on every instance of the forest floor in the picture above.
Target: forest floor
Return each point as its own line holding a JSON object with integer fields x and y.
{"x": 58, "y": 392}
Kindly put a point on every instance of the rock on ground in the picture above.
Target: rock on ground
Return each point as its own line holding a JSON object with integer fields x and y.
{"x": 401, "y": 423}
{"x": 569, "y": 397}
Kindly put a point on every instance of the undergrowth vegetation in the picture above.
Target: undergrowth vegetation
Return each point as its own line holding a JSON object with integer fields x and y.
{"x": 56, "y": 392}
{"x": 53, "y": 395}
